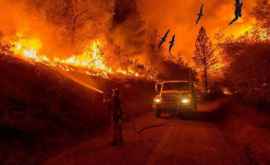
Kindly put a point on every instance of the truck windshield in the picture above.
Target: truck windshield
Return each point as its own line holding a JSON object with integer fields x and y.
{"x": 177, "y": 86}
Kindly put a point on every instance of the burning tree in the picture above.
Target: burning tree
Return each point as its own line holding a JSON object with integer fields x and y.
{"x": 204, "y": 55}
{"x": 75, "y": 22}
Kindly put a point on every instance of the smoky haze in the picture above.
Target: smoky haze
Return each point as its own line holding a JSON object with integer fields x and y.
{"x": 131, "y": 27}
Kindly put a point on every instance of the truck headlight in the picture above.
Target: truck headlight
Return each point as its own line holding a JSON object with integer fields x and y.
{"x": 157, "y": 100}
{"x": 185, "y": 100}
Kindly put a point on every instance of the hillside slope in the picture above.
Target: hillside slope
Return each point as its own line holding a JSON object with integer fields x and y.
{"x": 40, "y": 107}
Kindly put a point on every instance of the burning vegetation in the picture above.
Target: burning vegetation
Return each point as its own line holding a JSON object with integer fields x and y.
{"x": 247, "y": 58}
{"x": 105, "y": 38}
{"x": 64, "y": 46}
{"x": 115, "y": 43}
{"x": 91, "y": 58}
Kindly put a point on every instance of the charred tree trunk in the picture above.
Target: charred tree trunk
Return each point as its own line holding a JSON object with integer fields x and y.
{"x": 205, "y": 79}
{"x": 205, "y": 72}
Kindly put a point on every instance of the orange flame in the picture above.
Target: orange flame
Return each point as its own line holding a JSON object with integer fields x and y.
{"x": 91, "y": 60}
{"x": 27, "y": 48}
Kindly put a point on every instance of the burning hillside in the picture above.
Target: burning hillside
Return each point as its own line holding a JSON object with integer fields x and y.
{"x": 91, "y": 58}
{"x": 116, "y": 37}
{"x": 43, "y": 35}
{"x": 70, "y": 66}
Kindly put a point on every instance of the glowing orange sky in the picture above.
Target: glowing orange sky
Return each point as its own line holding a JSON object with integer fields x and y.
{"x": 179, "y": 16}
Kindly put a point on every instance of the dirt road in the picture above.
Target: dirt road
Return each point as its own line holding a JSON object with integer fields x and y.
{"x": 152, "y": 141}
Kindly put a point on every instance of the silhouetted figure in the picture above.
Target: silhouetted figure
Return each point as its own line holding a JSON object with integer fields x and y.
{"x": 107, "y": 101}
{"x": 238, "y": 11}
{"x": 163, "y": 39}
{"x": 117, "y": 116}
{"x": 200, "y": 14}
{"x": 171, "y": 43}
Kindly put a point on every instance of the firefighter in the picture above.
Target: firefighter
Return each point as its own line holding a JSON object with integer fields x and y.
{"x": 117, "y": 117}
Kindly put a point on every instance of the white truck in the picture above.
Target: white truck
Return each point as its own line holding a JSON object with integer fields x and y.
{"x": 174, "y": 97}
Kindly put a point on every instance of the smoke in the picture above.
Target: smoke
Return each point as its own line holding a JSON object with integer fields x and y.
{"x": 128, "y": 31}
{"x": 131, "y": 27}
{"x": 18, "y": 18}
{"x": 179, "y": 16}
{"x": 63, "y": 26}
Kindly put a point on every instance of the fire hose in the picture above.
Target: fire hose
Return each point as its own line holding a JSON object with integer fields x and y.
{"x": 133, "y": 123}
{"x": 141, "y": 130}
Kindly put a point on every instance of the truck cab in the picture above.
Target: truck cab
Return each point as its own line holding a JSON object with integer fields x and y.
{"x": 174, "y": 97}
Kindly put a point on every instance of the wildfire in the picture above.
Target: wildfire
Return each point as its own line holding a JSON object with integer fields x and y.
{"x": 91, "y": 58}
{"x": 91, "y": 61}
{"x": 27, "y": 48}
{"x": 248, "y": 30}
